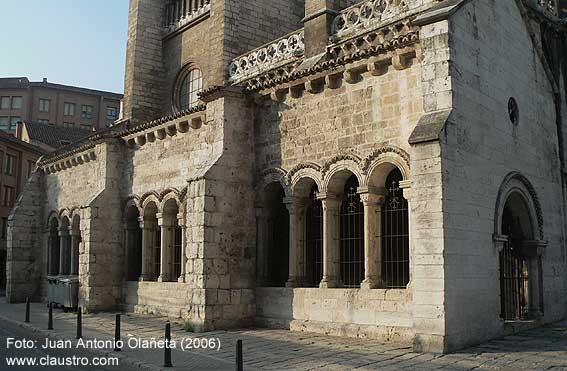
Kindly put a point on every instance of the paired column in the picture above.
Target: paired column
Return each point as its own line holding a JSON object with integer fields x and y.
{"x": 372, "y": 238}
{"x": 181, "y": 224}
{"x": 167, "y": 227}
{"x": 331, "y": 230}
{"x": 147, "y": 248}
{"x": 296, "y": 208}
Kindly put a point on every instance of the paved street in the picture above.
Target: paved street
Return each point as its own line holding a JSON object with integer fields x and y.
{"x": 538, "y": 350}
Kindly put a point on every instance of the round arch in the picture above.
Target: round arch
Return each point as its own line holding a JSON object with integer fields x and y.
{"x": 516, "y": 185}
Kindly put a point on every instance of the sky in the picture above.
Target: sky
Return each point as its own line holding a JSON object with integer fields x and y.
{"x": 72, "y": 42}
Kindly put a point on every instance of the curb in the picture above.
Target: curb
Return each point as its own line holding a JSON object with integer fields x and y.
{"x": 98, "y": 352}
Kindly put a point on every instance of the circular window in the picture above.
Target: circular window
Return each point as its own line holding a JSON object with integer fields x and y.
{"x": 187, "y": 88}
{"x": 513, "y": 111}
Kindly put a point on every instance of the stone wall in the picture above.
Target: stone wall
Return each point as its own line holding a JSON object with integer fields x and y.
{"x": 144, "y": 80}
{"x": 494, "y": 58}
{"x": 376, "y": 314}
{"x": 354, "y": 118}
{"x": 25, "y": 268}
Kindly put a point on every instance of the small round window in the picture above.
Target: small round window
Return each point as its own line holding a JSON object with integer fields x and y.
{"x": 189, "y": 85}
{"x": 513, "y": 111}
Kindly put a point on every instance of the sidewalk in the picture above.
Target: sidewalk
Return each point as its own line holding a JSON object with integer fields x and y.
{"x": 540, "y": 349}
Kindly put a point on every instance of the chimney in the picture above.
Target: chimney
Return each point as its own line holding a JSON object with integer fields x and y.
{"x": 19, "y": 129}
{"x": 319, "y": 15}
{"x": 45, "y": 80}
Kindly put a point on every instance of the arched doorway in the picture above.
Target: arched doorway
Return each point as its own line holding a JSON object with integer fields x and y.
{"x": 519, "y": 240}
{"x": 514, "y": 264}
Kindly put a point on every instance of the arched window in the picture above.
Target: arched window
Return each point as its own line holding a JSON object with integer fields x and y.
{"x": 177, "y": 252}
{"x": 191, "y": 83}
{"x": 54, "y": 246}
{"x": 395, "y": 234}
{"x": 352, "y": 235}
{"x": 313, "y": 240}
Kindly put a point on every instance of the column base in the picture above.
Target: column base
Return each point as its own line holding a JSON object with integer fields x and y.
{"x": 145, "y": 278}
{"x": 163, "y": 279}
{"x": 370, "y": 283}
{"x": 329, "y": 283}
{"x": 293, "y": 282}
{"x": 181, "y": 279}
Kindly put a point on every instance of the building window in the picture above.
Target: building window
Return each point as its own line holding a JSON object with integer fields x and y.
{"x": 43, "y": 121}
{"x": 31, "y": 167}
{"x": 87, "y": 112}
{"x": 5, "y": 103}
{"x": 69, "y": 109}
{"x": 10, "y": 164}
{"x": 4, "y": 228}
{"x": 14, "y": 122}
{"x": 68, "y": 124}
{"x": 395, "y": 234}
{"x": 44, "y": 105}
{"x": 189, "y": 88}
{"x": 352, "y": 235}
{"x": 16, "y": 102}
{"x": 65, "y": 142}
{"x": 4, "y": 123}
{"x": 111, "y": 113}
{"x": 8, "y": 196}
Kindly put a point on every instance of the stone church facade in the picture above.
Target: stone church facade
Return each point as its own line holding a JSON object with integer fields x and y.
{"x": 390, "y": 169}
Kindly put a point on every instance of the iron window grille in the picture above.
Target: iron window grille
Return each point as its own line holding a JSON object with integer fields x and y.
{"x": 395, "y": 234}
{"x": 313, "y": 252}
{"x": 351, "y": 235}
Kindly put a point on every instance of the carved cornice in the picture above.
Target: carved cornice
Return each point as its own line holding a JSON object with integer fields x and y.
{"x": 301, "y": 166}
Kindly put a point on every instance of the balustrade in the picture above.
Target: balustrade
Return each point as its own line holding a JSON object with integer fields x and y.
{"x": 180, "y": 12}
{"x": 268, "y": 56}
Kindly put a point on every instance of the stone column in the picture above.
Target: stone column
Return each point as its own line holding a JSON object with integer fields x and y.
{"x": 181, "y": 223}
{"x": 331, "y": 231}
{"x": 372, "y": 238}
{"x": 167, "y": 227}
{"x": 63, "y": 244}
{"x": 296, "y": 208}
{"x": 147, "y": 248}
{"x": 75, "y": 241}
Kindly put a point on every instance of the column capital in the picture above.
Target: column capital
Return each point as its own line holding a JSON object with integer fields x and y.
{"x": 146, "y": 224}
{"x": 372, "y": 196}
{"x": 165, "y": 220}
{"x": 295, "y": 204}
{"x": 329, "y": 200}
{"x": 63, "y": 231}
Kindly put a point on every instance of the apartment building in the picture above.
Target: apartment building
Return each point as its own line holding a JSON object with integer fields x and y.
{"x": 45, "y": 102}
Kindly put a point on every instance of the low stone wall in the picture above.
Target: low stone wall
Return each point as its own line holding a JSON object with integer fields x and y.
{"x": 171, "y": 299}
{"x": 376, "y": 314}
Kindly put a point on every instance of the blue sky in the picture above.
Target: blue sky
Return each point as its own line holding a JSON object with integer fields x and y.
{"x": 90, "y": 46}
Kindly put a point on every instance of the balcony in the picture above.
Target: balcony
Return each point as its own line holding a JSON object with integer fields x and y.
{"x": 181, "y": 13}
